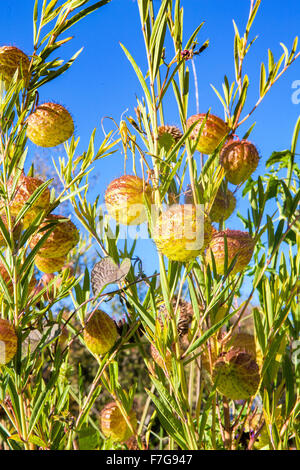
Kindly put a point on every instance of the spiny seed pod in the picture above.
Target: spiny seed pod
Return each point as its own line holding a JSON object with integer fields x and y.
{"x": 181, "y": 233}
{"x": 239, "y": 244}
{"x": 124, "y": 198}
{"x": 100, "y": 333}
{"x": 62, "y": 239}
{"x": 223, "y": 205}
{"x": 213, "y": 132}
{"x": 168, "y": 136}
{"x": 114, "y": 425}
{"x": 19, "y": 196}
{"x": 16, "y": 229}
{"x": 11, "y": 60}
{"x": 237, "y": 375}
{"x": 50, "y": 125}
{"x": 8, "y": 341}
{"x": 132, "y": 443}
{"x": 50, "y": 265}
{"x": 185, "y": 315}
{"x": 239, "y": 160}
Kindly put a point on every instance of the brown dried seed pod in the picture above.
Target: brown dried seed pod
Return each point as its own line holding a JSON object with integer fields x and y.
{"x": 185, "y": 311}
{"x": 214, "y": 131}
{"x": 50, "y": 125}
{"x": 237, "y": 375}
{"x": 113, "y": 424}
{"x": 62, "y": 239}
{"x": 8, "y": 341}
{"x": 168, "y": 136}
{"x": 19, "y": 196}
{"x": 11, "y": 60}
{"x": 181, "y": 233}
{"x": 239, "y": 160}
{"x": 100, "y": 333}
{"x": 238, "y": 243}
{"x": 132, "y": 443}
{"x": 124, "y": 199}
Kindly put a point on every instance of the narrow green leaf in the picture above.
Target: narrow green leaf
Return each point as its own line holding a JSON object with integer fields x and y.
{"x": 139, "y": 75}
{"x": 295, "y": 136}
{"x": 172, "y": 425}
{"x": 262, "y": 82}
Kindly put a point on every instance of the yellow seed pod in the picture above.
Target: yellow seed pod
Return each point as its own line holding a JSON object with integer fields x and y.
{"x": 8, "y": 341}
{"x": 239, "y": 244}
{"x": 100, "y": 333}
{"x": 124, "y": 199}
{"x": 113, "y": 424}
{"x": 49, "y": 125}
{"x": 237, "y": 375}
{"x": 213, "y": 132}
{"x": 62, "y": 239}
{"x": 181, "y": 234}
{"x": 50, "y": 265}
{"x": 11, "y": 60}
{"x": 19, "y": 196}
{"x": 239, "y": 160}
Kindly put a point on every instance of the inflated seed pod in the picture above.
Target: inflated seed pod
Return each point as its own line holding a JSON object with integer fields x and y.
{"x": 11, "y": 60}
{"x": 100, "y": 333}
{"x": 181, "y": 234}
{"x": 239, "y": 160}
{"x": 50, "y": 265}
{"x": 237, "y": 375}
{"x": 49, "y": 125}
{"x": 124, "y": 199}
{"x": 21, "y": 193}
{"x": 113, "y": 424}
{"x": 62, "y": 239}
{"x": 239, "y": 244}
{"x": 213, "y": 132}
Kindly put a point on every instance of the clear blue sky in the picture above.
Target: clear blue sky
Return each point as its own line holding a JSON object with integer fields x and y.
{"x": 102, "y": 82}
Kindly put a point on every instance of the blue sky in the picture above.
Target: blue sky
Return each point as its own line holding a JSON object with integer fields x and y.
{"x": 102, "y": 82}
